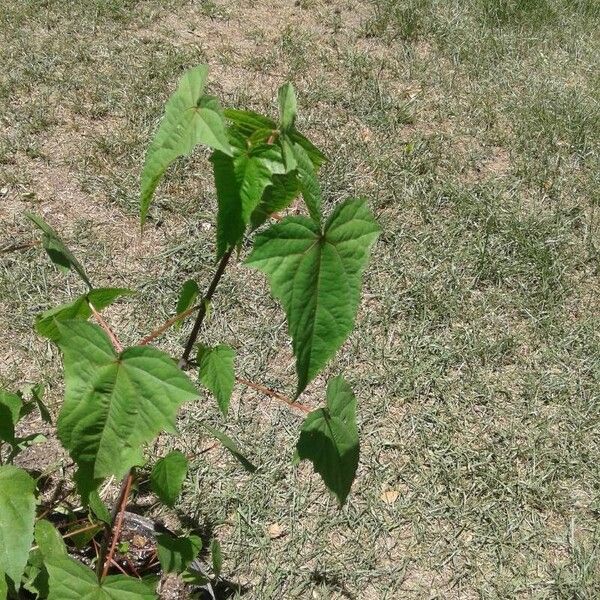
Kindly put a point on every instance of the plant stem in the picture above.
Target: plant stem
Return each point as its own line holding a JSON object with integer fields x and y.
{"x": 113, "y": 338}
{"x": 203, "y": 305}
{"x": 23, "y": 246}
{"x": 104, "y": 563}
{"x": 119, "y": 507}
{"x": 274, "y": 394}
{"x": 160, "y": 330}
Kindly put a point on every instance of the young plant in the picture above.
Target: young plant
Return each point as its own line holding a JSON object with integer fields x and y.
{"x": 118, "y": 400}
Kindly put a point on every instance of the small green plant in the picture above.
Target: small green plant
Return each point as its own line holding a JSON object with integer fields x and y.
{"x": 118, "y": 400}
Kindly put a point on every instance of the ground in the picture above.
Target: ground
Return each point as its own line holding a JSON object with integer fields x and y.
{"x": 472, "y": 129}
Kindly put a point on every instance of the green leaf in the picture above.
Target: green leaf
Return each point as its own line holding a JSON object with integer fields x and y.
{"x": 230, "y": 226}
{"x": 195, "y": 577}
{"x": 176, "y": 553}
{"x": 100, "y": 298}
{"x": 228, "y": 443}
{"x": 22, "y": 443}
{"x": 287, "y": 106}
{"x": 248, "y": 122}
{"x": 240, "y": 182}
{"x": 86, "y": 484}
{"x": 168, "y": 475}
{"x": 35, "y": 577}
{"x": 70, "y": 580}
{"x": 98, "y": 507}
{"x": 191, "y": 118}
{"x": 3, "y": 586}
{"x": 254, "y": 168}
{"x": 10, "y": 412}
{"x": 189, "y": 293}
{"x": 309, "y": 184}
{"x": 252, "y": 124}
{"x": 262, "y": 136}
{"x": 217, "y": 557}
{"x": 115, "y": 403}
{"x": 81, "y": 539}
{"x": 216, "y": 372}
{"x": 316, "y": 156}
{"x": 317, "y": 277}
{"x": 287, "y": 151}
{"x": 37, "y": 394}
{"x": 329, "y": 439}
{"x": 45, "y": 323}
{"x": 17, "y": 518}
{"x": 58, "y": 252}
{"x": 276, "y": 197}
{"x": 48, "y": 540}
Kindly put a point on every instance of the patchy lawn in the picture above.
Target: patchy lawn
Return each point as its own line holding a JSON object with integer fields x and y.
{"x": 473, "y": 128}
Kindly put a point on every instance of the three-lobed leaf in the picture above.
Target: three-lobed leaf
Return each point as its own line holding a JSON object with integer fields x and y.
{"x": 254, "y": 170}
{"x": 216, "y": 372}
{"x": 168, "y": 475}
{"x": 17, "y": 518}
{"x": 191, "y": 118}
{"x": 56, "y": 249}
{"x": 114, "y": 403}
{"x": 317, "y": 276}
{"x": 70, "y": 580}
{"x": 329, "y": 439}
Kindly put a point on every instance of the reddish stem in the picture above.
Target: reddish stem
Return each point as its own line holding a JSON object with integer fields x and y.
{"x": 107, "y": 329}
{"x": 82, "y": 530}
{"x": 274, "y": 394}
{"x": 160, "y": 330}
{"x": 119, "y": 522}
{"x": 23, "y": 246}
{"x": 116, "y": 564}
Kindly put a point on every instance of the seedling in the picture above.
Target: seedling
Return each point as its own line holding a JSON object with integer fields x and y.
{"x": 118, "y": 400}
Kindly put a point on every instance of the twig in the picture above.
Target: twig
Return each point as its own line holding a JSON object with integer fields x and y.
{"x": 274, "y": 394}
{"x": 119, "y": 523}
{"x": 132, "y": 567}
{"x": 82, "y": 530}
{"x": 202, "y": 312}
{"x": 114, "y": 562}
{"x": 23, "y": 246}
{"x": 74, "y": 533}
{"x": 160, "y": 330}
{"x": 107, "y": 329}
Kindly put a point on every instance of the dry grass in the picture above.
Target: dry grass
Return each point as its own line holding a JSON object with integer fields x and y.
{"x": 473, "y": 130}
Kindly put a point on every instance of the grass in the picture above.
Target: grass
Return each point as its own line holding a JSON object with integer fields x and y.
{"x": 473, "y": 129}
